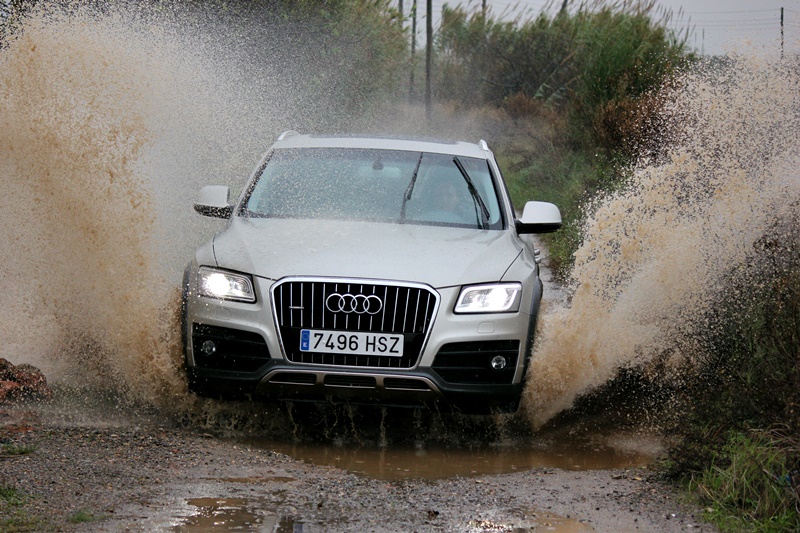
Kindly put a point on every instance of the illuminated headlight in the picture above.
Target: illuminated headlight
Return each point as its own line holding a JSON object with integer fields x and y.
{"x": 500, "y": 298}
{"x": 214, "y": 283}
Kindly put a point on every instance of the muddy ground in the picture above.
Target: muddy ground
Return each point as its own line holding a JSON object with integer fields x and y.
{"x": 148, "y": 476}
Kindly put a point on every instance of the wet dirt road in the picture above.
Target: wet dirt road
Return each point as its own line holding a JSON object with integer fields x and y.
{"x": 92, "y": 473}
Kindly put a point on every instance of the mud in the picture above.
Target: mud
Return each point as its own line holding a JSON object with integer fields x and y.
{"x": 141, "y": 473}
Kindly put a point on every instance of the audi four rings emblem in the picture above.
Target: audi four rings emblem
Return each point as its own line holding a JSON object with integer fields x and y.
{"x": 353, "y": 303}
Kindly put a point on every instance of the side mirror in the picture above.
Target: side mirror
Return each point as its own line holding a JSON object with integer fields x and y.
{"x": 539, "y": 217}
{"x": 214, "y": 201}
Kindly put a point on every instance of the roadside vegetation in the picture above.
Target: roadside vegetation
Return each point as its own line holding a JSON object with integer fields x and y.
{"x": 13, "y": 516}
{"x": 569, "y": 99}
{"x": 12, "y": 450}
{"x": 737, "y": 441}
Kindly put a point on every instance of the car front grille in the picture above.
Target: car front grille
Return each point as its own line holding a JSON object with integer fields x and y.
{"x": 406, "y": 309}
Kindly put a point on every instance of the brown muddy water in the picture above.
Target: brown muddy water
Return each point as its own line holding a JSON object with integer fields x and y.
{"x": 231, "y": 514}
{"x": 594, "y": 451}
{"x": 242, "y": 514}
{"x": 387, "y": 444}
{"x": 390, "y": 445}
{"x": 110, "y": 123}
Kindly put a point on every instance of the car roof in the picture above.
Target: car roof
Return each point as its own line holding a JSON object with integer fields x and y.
{"x": 291, "y": 139}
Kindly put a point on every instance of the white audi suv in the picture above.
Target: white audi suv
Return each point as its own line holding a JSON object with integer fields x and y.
{"x": 367, "y": 270}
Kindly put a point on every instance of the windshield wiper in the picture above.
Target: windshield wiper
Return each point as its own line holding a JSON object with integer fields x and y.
{"x": 476, "y": 197}
{"x": 410, "y": 188}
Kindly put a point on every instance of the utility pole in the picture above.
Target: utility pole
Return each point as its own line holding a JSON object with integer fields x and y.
{"x": 428, "y": 62}
{"x": 413, "y": 50}
{"x": 703, "y": 43}
{"x": 781, "y": 34}
{"x": 400, "y": 8}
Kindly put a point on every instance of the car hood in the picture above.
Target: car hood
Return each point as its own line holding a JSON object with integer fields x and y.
{"x": 439, "y": 256}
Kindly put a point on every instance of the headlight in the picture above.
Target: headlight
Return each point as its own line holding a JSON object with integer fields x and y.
{"x": 214, "y": 283}
{"x": 500, "y": 298}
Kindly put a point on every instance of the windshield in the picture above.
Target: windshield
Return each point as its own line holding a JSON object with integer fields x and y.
{"x": 375, "y": 185}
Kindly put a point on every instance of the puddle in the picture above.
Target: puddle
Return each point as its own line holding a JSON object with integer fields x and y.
{"x": 435, "y": 461}
{"x": 242, "y": 514}
{"x": 232, "y": 514}
{"x": 537, "y": 523}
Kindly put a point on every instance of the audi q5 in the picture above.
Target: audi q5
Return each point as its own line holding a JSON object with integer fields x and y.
{"x": 367, "y": 270}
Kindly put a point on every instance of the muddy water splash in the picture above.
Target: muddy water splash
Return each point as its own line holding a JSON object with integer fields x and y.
{"x": 658, "y": 252}
{"x": 84, "y": 105}
{"x": 76, "y": 214}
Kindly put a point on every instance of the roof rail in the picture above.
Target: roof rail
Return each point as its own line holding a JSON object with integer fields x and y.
{"x": 287, "y": 133}
{"x": 484, "y": 146}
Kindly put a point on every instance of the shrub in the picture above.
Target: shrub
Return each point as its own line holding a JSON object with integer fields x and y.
{"x": 738, "y": 436}
{"x": 598, "y": 63}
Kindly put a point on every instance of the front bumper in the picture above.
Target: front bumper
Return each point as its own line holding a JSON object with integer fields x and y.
{"x": 279, "y": 380}
{"x": 451, "y": 373}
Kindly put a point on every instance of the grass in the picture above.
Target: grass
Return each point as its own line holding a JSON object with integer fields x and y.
{"x": 584, "y": 82}
{"x": 737, "y": 441}
{"x": 10, "y": 496}
{"x": 561, "y": 177}
{"x": 13, "y": 518}
{"x": 8, "y": 450}
{"x": 752, "y": 483}
{"x": 82, "y": 516}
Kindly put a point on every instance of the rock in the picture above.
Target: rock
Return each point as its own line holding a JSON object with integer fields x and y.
{"x": 7, "y": 389}
{"x": 22, "y": 382}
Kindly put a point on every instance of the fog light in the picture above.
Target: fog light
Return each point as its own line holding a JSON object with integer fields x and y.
{"x": 209, "y": 348}
{"x": 499, "y": 362}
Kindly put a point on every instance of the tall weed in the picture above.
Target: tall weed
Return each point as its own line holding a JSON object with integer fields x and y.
{"x": 752, "y": 482}
{"x": 597, "y": 63}
{"x": 743, "y": 384}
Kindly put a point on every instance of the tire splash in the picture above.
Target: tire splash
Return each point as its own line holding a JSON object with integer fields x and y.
{"x": 658, "y": 253}
{"x": 82, "y": 104}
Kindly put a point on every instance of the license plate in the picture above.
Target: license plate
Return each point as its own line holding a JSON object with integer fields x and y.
{"x": 313, "y": 340}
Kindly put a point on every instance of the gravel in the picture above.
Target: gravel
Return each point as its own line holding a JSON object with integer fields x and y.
{"x": 151, "y": 477}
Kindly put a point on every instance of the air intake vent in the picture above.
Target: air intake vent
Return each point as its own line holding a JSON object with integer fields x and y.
{"x": 361, "y": 382}
{"x": 405, "y": 384}
{"x": 233, "y": 349}
{"x": 470, "y": 362}
{"x": 294, "y": 378}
